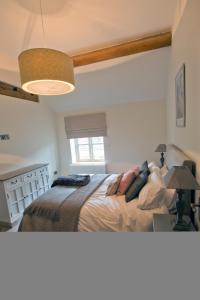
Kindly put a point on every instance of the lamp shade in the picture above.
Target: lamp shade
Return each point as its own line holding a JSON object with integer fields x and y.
{"x": 46, "y": 72}
{"x": 161, "y": 148}
{"x": 180, "y": 178}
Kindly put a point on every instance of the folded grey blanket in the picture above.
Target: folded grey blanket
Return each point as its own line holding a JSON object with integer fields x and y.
{"x": 59, "y": 208}
{"x": 72, "y": 180}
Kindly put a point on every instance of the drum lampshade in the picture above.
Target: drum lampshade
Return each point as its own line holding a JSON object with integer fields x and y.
{"x": 46, "y": 72}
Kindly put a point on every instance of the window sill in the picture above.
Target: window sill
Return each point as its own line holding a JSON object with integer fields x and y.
{"x": 88, "y": 164}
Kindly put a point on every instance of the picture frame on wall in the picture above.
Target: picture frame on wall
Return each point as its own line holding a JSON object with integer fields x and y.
{"x": 180, "y": 97}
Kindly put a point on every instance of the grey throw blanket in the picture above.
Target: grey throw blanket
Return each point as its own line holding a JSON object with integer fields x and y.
{"x": 54, "y": 212}
{"x": 72, "y": 180}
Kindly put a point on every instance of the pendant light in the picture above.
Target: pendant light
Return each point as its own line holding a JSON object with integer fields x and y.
{"x": 46, "y": 71}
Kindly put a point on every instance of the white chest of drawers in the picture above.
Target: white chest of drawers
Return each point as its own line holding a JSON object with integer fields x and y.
{"x": 19, "y": 188}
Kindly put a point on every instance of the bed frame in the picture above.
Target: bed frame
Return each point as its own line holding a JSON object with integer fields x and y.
{"x": 176, "y": 157}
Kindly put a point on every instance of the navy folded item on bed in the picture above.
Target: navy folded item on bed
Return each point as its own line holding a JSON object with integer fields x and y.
{"x": 72, "y": 180}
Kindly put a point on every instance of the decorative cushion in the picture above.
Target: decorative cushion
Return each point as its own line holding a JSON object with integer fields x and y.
{"x": 136, "y": 186}
{"x": 127, "y": 179}
{"x": 144, "y": 168}
{"x": 113, "y": 186}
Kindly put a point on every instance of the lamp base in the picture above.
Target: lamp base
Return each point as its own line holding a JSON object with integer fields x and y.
{"x": 182, "y": 226}
{"x": 162, "y": 159}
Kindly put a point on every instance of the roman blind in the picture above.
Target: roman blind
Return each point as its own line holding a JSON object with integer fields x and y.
{"x": 91, "y": 125}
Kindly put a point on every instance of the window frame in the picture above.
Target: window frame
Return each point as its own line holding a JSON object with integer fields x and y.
{"x": 91, "y": 151}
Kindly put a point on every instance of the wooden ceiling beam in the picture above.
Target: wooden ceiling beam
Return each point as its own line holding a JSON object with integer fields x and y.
{"x": 148, "y": 43}
{"x": 144, "y": 44}
{"x": 7, "y": 89}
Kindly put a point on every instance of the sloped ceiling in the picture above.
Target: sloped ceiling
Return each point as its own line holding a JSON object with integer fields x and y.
{"x": 142, "y": 77}
{"x": 74, "y": 26}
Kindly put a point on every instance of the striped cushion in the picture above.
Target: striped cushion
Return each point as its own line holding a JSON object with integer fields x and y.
{"x": 113, "y": 186}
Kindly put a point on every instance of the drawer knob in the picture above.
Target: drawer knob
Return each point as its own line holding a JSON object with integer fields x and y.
{"x": 14, "y": 182}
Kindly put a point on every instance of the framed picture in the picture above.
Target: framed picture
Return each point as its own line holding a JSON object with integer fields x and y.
{"x": 180, "y": 98}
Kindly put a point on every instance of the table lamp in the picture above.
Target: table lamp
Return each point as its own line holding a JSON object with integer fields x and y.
{"x": 162, "y": 148}
{"x": 181, "y": 179}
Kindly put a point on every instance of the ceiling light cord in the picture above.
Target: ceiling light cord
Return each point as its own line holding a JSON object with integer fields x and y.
{"x": 43, "y": 25}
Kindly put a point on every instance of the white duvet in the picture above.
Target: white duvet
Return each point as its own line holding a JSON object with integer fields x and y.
{"x": 113, "y": 214}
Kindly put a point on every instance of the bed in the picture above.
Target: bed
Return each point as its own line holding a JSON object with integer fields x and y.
{"x": 100, "y": 213}
{"x": 113, "y": 214}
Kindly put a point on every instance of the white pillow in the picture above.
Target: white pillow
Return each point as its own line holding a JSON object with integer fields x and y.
{"x": 164, "y": 170}
{"x": 154, "y": 194}
{"x": 170, "y": 199}
{"x": 156, "y": 177}
{"x": 151, "y": 196}
{"x": 152, "y": 165}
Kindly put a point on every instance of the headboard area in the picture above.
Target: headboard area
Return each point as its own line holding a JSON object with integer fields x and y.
{"x": 176, "y": 157}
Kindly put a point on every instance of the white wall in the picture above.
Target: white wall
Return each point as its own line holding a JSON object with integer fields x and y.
{"x": 181, "y": 5}
{"x": 132, "y": 91}
{"x": 31, "y": 127}
{"x": 186, "y": 49}
{"x": 134, "y": 131}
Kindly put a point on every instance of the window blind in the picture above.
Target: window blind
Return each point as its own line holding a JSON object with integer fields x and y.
{"x": 91, "y": 125}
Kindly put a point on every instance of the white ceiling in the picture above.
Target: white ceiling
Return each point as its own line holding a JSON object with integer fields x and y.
{"x": 77, "y": 25}
{"x": 74, "y": 26}
{"x": 142, "y": 77}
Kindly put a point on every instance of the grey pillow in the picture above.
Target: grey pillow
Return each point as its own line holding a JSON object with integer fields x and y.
{"x": 136, "y": 186}
{"x": 144, "y": 168}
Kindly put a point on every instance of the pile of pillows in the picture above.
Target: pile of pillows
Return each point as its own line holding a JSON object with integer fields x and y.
{"x": 122, "y": 182}
{"x": 145, "y": 183}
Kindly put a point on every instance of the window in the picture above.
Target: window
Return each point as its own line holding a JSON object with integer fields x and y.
{"x": 87, "y": 149}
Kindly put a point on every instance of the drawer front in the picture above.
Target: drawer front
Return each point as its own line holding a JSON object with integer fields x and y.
{"x": 15, "y": 195}
{"x": 13, "y": 183}
{"x": 16, "y": 212}
{"x": 43, "y": 171}
{"x": 30, "y": 176}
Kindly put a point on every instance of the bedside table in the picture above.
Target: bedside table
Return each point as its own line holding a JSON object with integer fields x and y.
{"x": 166, "y": 222}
